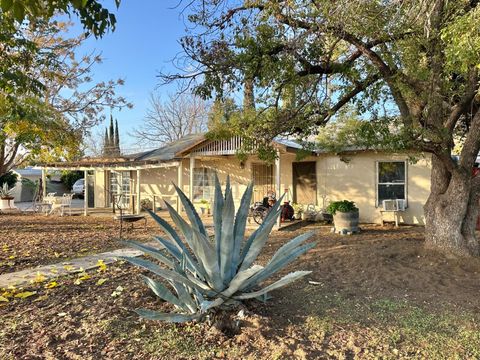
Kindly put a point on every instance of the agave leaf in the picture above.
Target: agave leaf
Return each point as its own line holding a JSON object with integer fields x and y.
{"x": 288, "y": 247}
{"x": 269, "y": 221}
{"x": 257, "y": 241}
{"x": 192, "y": 214}
{"x": 282, "y": 282}
{"x": 185, "y": 296}
{"x": 157, "y": 254}
{"x": 169, "y": 230}
{"x": 239, "y": 280}
{"x": 174, "y": 318}
{"x": 207, "y": 305}
{"x": 239, "y": 228}
{"x": 217, "y": 217}
{"x": 192, "y": 265}
{"x": 275, "y": 266}
{"x": 227, "y": 238}
{"x": 206, "y": 255}
{"x": 184, "y": 227}
{"x": 166, "y": 274}
{"x": 162, "y": 292}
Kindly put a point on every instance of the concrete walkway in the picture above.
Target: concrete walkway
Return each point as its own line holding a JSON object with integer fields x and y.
{"x": 27, "y": 276}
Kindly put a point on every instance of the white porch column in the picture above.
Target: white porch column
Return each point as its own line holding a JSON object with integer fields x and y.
{"x": 190, "y": 186}
{"x": 85, "y": 197}
{"x": 278, "y": 184}
{"x": 138, "y": 192}
{"x": 179, "y": 183}
{"x": 44, "y": 182}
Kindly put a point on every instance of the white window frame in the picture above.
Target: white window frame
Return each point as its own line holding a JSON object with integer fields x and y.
{"x": 377, "y": 182}
{"x": 205, "y": 171}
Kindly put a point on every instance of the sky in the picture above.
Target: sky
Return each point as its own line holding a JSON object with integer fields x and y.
{"x": 144, "y": 42}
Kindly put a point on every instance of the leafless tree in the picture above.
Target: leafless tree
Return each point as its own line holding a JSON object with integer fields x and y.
{"x": 169, "y": 120}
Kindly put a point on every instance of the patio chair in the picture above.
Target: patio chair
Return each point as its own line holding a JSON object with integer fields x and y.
{"x": 66, "y": 204}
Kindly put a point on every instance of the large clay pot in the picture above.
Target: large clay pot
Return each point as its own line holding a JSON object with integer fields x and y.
{"x": 346, "y": 222}
{"x": 7, "y": 203}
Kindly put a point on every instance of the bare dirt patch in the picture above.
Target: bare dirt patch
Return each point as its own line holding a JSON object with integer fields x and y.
{"x": 378, "y": 294}
{"x": 31, "y": 240}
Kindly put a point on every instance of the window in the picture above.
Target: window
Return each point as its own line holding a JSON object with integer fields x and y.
{"x": 391, "y": 181}
{"x": 203, "y": 184}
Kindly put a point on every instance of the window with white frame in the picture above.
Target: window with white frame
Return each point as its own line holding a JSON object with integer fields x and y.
{"x": 203, "y": 184}
{"x": 391, "y": 181}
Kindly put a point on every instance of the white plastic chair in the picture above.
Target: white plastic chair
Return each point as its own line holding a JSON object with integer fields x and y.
{"x": 66, "y": 204}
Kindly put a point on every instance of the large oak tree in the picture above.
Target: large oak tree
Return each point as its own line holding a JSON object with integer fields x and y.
{"x": 414, "y": 62}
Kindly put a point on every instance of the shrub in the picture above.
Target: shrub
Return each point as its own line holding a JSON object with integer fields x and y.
{"x": 343, "y": 206}
{"x": 9, "y": 178}
{"x": 146, "y": 204}
{"x": 219, "y": 272}
{"x": 70, "y": 177}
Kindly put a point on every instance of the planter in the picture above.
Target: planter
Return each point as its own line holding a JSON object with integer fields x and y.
{"x": 7, "y": 203}
{"x": 346, "y": 223}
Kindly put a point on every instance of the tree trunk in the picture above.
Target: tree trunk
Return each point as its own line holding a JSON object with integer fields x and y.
{"x": 451, "y": 211}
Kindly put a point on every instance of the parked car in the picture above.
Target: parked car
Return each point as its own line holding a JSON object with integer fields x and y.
{"x": 79, "y": 188}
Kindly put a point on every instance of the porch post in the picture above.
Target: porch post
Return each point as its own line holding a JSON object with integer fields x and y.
{"x": 44, "y": 182}
{"x": 85, "y": 197}
{"x": 138, "y": 192}
{"x": 190, "y": 186}
{"x": 278, "y": 184}
{"x": 179, "y": 183}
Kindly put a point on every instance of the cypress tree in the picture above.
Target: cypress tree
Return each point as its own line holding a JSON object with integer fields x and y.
{"x": 117, "y": 139}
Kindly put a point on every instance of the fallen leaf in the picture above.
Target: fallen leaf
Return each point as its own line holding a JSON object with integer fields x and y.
{"x": 38, "y": 278}
{"x": 51, "y": 285}
{"x": 25, "y": 294}
{"x": 61, "y": 314}
{"x": 3, "y": 299}
{"x": 101, "y": 266}
{"x": 101, "y": 281}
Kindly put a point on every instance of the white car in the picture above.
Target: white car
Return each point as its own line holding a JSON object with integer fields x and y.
{"x": 79, "y": 187}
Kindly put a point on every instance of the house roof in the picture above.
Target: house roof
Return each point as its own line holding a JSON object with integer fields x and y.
{"x": 28, "y": 171}
{"x": 170, "y": 150}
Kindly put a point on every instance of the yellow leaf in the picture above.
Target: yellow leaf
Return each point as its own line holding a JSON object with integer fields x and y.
{"x": 12, "y": 257}
{"x": 51, "y": 285}
{"x": 101, "y": 266}
{"x": 3, "y": 299}
{"x": 57, "y": 255}
{"x": 25, "y": 294}
{"x": 68, "y": 267}
{"x": 77, "y": 282}
{"x": 84, "y": 276}
{"x": 39, "y": 278}
{"x": 101, "y": 281}
{"x": 53, "y": 271}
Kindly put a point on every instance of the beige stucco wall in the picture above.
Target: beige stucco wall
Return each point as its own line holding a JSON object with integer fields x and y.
{"x": 356, "y": 180}
{"x": 353, "y": 180}
{"x": 99, "y": 191}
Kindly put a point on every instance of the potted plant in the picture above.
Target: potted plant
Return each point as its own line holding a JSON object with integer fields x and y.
{"x": 298, "y": 209}
{"x": 345, "y": 216}
{"x": 204, "y": 205}
{"x": 6, "y": 197}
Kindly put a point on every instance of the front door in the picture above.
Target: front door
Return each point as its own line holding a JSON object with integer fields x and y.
{"x": 262, "y": 177}
{"x": 304, "y": 182}
{"x": 120, "y": 188}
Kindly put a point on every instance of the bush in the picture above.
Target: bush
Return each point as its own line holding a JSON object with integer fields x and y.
{"x": 70, "y": 177}
{"x": 146, "y": 204}
{"x": 214, "y": 272}
{"x": 343, "y": 206}
{"x": 10, "y": 178}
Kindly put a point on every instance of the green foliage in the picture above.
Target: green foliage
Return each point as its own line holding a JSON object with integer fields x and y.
{"x": 9, "y": 178}
{"x": 70, "y": 177}
{"x": 95, "y": 18}
{"x": 343, "y": 206}
{"x": 6, "y": 191}
{"x": 206, "y": 274}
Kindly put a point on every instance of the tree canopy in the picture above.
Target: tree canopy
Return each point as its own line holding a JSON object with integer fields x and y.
{"x": 411, "y": 62}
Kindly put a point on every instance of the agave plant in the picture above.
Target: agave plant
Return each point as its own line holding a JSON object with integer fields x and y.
{"x": 6, "y": 191}
{"x": 214, "y": 271}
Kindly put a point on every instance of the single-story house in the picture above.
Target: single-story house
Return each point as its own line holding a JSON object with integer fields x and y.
{"x": 364, "y": 176}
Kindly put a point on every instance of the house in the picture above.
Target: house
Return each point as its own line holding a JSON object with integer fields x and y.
{"x": 365, "y": 177}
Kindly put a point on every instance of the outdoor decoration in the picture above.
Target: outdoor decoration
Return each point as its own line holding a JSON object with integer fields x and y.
{"x": 6, "y": 197}
{"x": 345, "y": 217}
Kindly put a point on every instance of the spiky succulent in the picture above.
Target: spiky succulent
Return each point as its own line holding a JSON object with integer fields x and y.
{"x": 6, "y": 191}
{"x": 208, "y": 272}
